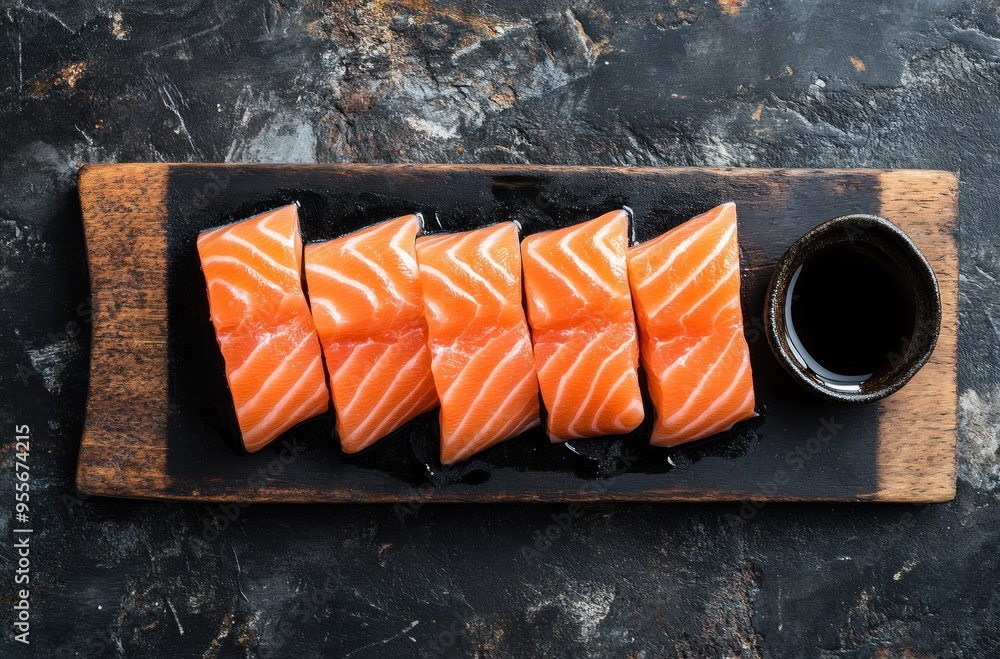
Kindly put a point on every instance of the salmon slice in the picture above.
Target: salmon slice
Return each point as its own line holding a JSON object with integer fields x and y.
{"x": 262, "y": 324}
{"x": 583, "y": 328}
{"x": 686, "y": 289}
{"x": 481, "y": 356}
{"x": 368, "y": 311}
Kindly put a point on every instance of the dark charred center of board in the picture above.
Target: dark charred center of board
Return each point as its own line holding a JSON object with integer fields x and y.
{"x": 336, "y": 200}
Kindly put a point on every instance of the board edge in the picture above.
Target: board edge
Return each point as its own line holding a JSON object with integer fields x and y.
{"x": 103, "y": 215}
{"x": 907, "y": 471}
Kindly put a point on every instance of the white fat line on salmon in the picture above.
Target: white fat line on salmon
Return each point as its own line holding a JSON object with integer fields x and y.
{"x": 264, "y": 340}
{"x": 705, "y": 378}
{"x": 372, "y": 372}
{"x": 734, "y": 271}
{"x": 287, "y": 242}
{"x": 230, "y": 237}
{"x": 351, "y": 247}
{"x": 487, "y": 255}
{"x": 472, "y": 274}
{"x": 614, "y": 389}
{"x": 289, "y": 398}
{"x": 542, "y": 261}
{"x": 568, "y": 375}
{"x": 615, "y": 260}
{"x": 522, "y": 417}
{"x": 515, "y": 352}
{"x": 346, "y": 366}
{"x": 634, "y": 406}
{"x": 720, "y": 399}
{"x": 319, "y": 401}
{"x": 721, "y": 245}
{"x": 326, "y": 271}
{"x": 438, "y": 313}
{"x": 392, "y": 417}
{"x": 581, "y": 263}
{"x": 460, "y": 292}
{"x": 677, "y": 251}
{"x": 240, "y": 294}
{"x": 727, "y": 422}
{"x": 306, "y": 341}
{"x": 436, "y": 241}
{"x": 593, "y": 385}
{"x": 402, "y": 252}
{"x": 734, "y": 302}
{"x": 682, "y": 360}
{"x": 326, "y": 304}
{"x": 253, "y": 272}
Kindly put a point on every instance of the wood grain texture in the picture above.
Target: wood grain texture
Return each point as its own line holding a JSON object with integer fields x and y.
{"x": 146, "y": 435}
{"x": 918, "y": 427}
{"x": 123, "y": 450}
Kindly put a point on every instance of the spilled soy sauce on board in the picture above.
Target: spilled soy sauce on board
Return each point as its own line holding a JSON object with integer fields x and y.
{"x": 850, "y": 314}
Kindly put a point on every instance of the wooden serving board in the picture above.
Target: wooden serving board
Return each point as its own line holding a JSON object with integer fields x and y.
{"x": 153, "y": 421}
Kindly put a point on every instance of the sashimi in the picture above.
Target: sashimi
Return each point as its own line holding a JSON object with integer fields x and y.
{"x": 263, "y": 325}
{"x": 583, "y": 328}
{"x": 686, "y": 290}
{"x": 481, "y": 354}
{"x": 369, "y": 314}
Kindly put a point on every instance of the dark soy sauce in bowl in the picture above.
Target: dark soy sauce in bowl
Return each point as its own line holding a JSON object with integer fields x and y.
{"x": 849, "y": 315}
{"x": 853, "y": 309}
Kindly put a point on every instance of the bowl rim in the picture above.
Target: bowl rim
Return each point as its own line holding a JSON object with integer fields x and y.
{"x": 917, "y": 267}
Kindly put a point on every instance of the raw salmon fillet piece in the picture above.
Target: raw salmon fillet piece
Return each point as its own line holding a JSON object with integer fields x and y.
{"x": 583, "y": 328}
{"x": 481, "y": 355}
{"x": 369, "y": 314}
{"x": 263, "y": 325}
{"x": 686, "y": 290}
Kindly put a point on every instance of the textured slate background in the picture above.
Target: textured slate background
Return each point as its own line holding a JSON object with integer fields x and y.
{"x": 733, "y": 82}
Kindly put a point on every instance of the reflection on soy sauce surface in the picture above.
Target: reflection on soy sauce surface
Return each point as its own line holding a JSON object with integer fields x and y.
{"x": 850, "y": 313}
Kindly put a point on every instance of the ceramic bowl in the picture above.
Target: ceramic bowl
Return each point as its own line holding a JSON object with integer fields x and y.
{"x": 874, "y": 234}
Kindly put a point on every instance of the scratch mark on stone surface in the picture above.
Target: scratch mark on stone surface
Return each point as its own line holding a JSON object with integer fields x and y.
{"x": 184, "y": 40}
{"x": 47, "y": 13}
{"x": 180, "y": 627}
{"x": 87, "y": 138}
{"x": 239, "y": 571}
{"x": 384, "y": 640}
{"x": 171, "y": 104}
{"x": 757, "y": 113}
{"x": 20, "y": 49}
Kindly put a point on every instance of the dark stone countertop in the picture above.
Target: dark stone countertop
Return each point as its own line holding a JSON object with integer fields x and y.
{"x": 624, "y": 82}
